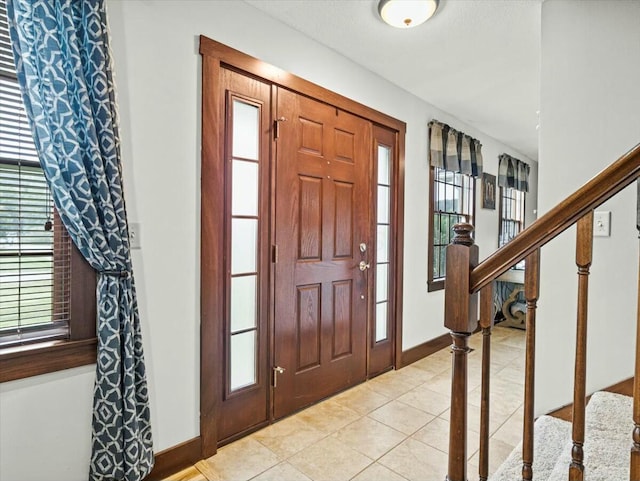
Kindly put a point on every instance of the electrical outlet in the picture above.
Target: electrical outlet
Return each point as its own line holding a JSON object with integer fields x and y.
{"x": 135, "y": 235}
{"x": 602, "y": 224}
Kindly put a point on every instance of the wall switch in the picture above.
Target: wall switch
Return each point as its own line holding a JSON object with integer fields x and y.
{"x": 602, "y": 224}
{"x": 134, "y": 235}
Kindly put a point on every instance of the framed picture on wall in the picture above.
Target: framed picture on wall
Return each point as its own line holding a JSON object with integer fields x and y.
{"x": 488, "y": 191}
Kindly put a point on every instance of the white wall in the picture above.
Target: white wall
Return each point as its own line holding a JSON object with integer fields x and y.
{"x": 155, "y": 46}
{"x": 590, "y": 115}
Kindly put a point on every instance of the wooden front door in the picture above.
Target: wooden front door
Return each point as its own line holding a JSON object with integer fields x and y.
{"x": 322, "y": 234}
{"x": 284, "y": 212}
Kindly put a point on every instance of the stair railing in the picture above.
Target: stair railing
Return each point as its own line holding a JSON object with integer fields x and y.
{"x": 466, "y": 278}
{"x": 635, "y": 448}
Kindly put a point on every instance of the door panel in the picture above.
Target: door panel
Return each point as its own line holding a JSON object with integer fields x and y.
{"x": 308, "y": 326}
{"x": 343, "y": 218}
{"x": 382, "y": 328}
{"x": 244, "y": 370}
{"x": 310, "y": 215}
{"x": 322, "y": 215}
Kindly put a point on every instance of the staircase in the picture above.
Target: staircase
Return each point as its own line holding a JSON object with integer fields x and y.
{"x": 603, "y": 440}
{"x": 606, "y": 448}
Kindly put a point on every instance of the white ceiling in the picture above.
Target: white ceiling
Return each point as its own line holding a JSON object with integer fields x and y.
{"x": 478, "y": 60}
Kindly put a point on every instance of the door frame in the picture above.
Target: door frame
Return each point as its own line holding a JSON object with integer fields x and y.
{"x": 212, "y": 275}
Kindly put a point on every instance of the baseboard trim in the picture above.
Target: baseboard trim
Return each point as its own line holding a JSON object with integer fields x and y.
{"x": 624, "y": 387}
{"x": 176, "y": 458}
{"x": 425, "y": 349}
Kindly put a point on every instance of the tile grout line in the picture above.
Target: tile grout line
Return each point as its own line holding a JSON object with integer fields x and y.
{"x": 409, "y": 378}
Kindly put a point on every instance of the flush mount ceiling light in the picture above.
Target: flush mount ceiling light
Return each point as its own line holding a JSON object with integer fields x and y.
{"x": 406, "y": 13}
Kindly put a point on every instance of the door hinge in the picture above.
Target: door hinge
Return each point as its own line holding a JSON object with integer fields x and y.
{"x": 277, "y": 370}
{"x": 276, "y": 127}
{"x": 274, "y": 254}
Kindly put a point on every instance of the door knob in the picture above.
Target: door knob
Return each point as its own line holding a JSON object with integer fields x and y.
{"x": 363, "y": 266}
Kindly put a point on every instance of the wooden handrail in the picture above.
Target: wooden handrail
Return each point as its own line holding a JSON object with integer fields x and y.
{"x": 465, "y": 277}
{"x": 594, "y": 193}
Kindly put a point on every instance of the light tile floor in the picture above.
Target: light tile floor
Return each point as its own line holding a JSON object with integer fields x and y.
{"x": 392, "y": 428}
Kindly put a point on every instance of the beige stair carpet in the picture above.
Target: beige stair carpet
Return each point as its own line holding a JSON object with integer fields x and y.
{"x": 607, "y": 442}
{"x": 549, "y": 437}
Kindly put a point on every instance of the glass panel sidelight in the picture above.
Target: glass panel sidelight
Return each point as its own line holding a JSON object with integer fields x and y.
{"x": 381, "y": 321}
{"x": 246, "y": 122}
{"x": 244, "y": 245}
{"x": 243, "y": 359}
{"x": 383, "y": 204}
{"x": 242, "y": 332}
{"x": 382, "y": 279}
{"x": 244, "y": 188}
{"x": 243, "y": 303}
{"x": 384, "y": 158}
{"x": 383, "y": 242}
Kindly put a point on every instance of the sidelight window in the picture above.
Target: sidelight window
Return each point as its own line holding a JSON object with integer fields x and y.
{"x": 243, "y": 245}
{"x": 383, "y": 242}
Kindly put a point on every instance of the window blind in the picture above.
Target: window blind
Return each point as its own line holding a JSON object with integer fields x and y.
{"x": 34, "y": 248}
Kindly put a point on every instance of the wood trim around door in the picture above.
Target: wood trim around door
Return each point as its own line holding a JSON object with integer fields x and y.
{"x": 240, "y": 61}
{"x": 399, "y": 244}
{"x": 211, "y": 234}
{"x": 216, "y": 56}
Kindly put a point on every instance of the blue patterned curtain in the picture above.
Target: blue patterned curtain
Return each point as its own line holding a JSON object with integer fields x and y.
{"x": 64, "y": 68}
{"x": 453, "y": 150}
{"x": 513, "y": 173}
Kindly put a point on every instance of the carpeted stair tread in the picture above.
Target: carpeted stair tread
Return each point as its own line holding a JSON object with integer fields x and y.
{"x": 607, "y": 440}
{"x": 550, "y": 435}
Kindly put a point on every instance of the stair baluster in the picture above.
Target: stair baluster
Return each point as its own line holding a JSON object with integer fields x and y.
{"x": 635, "y": 448}
{"x": 460, "y": 317}
{"x": 465, "y": 278}
{"x": 531, "y": 293}
{"x": 486, "y": 323}
{"x": 584, "y": 250}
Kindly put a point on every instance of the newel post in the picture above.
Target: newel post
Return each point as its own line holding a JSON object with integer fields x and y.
{"x": 461, "y": 318}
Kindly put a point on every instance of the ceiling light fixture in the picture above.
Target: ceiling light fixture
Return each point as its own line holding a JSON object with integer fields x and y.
{"x": 406, "y": 13}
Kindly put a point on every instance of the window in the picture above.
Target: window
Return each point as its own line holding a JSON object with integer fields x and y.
{"x": 452, "y": 202}
{"x": 245, "y": 273}
{"x": 511, "y": 216}
{"x": 513, "y": 180}
{"x": 383, "y": 246}
{"x": 47, "y": 295}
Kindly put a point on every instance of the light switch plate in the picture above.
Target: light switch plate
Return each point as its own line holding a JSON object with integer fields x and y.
{"x": 602, "y": 224}
{"x": 135, "y": 237}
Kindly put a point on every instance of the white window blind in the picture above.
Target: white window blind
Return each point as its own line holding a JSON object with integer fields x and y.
{"x": 34, "y": 248}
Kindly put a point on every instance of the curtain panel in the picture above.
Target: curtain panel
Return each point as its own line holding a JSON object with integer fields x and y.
{"x": 64, "y": 68}
{"x": 453, "y": 150}
{"x": 513, "y": 173}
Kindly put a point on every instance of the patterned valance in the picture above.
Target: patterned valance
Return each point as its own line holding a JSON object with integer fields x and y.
{"x": 454, "y": 151}
{"x": 513, "y": 173}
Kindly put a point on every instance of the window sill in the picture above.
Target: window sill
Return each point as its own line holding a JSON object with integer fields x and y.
{"x": 33, "y": 359}
{"x": 433, "y": 286}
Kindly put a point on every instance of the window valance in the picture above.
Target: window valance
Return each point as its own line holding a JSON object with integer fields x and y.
{"x": 453, "y": 150}
{"x": 513, "y": 173}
